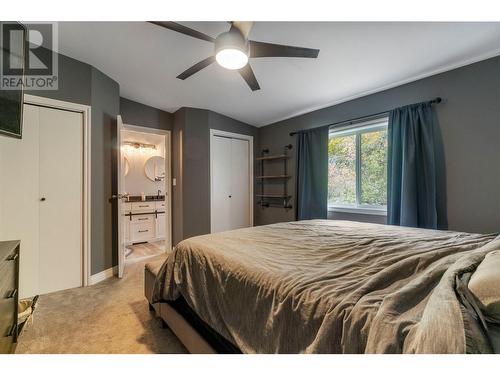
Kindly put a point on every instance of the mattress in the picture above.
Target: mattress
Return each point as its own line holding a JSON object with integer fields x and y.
{"x": 325, "y": 286}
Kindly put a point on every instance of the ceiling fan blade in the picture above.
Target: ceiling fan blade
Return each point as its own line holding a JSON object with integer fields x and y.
{"x": 247, "y": 73}
{"x": 263, "y": 49}
{"x": 183, "y": 30}
{"x": 243, "y": 26}
{"x": 196, "y": 68}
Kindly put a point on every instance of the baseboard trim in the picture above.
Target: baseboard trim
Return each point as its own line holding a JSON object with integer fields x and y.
{"x": 103, "y": 275}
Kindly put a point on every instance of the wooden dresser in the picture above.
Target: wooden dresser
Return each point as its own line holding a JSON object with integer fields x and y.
{"x": 9, "y": 286}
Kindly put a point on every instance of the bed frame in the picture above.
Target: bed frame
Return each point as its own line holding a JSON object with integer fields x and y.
{"x": 194, "y": 342}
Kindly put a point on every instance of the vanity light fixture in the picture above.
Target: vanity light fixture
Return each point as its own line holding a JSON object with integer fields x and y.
{"x": 131, "y": 147}
{"x": 138, "y": 145}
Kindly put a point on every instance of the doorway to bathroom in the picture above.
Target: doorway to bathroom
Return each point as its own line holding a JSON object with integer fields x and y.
{"x": 144, "y": 191}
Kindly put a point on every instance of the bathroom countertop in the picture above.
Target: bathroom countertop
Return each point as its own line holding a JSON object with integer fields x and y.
{"x": 149, "y": 198}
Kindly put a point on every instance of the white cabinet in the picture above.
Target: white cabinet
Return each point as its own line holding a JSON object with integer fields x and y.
{"x": 141, "y": 231}
{"x": 143, "y": 206}
{"x": 144, "y": 224}
{"x": 160, "y": 206}
{"x": 160, "y": 227}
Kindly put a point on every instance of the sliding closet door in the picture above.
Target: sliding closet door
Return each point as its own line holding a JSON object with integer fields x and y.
{"x": 231, "y": 181}
{"x": 60, "y": 199}
{"x": 221, "y": 184}
{"x": 240, "y": 184}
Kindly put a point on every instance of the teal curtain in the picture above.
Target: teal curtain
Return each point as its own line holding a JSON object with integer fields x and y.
{"x": 312, "y": 174}
{"x": 416, "y": 171}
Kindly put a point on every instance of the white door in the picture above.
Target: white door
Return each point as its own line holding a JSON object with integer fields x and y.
{"x": 221, "y": 184}
{"x": 61, "y": 203}
{"x": 240, "y": 184}
{"x": 41, "y": 201}
{"x": 231, "y": 183}
{"x": 120, "y": 197}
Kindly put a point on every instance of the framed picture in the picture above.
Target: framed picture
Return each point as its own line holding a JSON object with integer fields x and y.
{"x": 13, "y": 49}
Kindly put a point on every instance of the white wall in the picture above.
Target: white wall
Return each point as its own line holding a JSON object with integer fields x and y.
{"x": 136, "y": 180}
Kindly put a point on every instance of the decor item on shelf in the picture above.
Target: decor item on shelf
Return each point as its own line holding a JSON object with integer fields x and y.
{"x": 268, "y": 199}
{"x": 155, "y": 168}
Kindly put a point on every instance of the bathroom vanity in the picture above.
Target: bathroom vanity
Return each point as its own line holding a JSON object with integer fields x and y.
{"x": 144, "y": 220}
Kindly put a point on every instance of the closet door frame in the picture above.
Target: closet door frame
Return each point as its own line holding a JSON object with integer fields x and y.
{"x": 249, "y": 138}
{"x": 85, "y": 110}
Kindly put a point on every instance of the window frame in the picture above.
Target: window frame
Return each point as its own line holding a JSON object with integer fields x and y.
{"x": 358, "y": 129}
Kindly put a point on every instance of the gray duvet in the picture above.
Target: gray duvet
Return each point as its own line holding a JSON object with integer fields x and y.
{"x": 325, "y": 286}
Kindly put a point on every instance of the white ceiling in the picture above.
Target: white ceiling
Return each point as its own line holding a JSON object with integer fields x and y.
{"x": 355, "y": 59}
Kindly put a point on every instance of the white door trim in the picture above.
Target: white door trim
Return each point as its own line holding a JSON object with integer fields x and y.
{"x": 168, "y": 174}
{"x": 249, "y": 138}
{"x": 85, "y": 110}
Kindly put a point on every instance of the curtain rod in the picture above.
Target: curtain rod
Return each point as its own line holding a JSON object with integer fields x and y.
{"x": 433, "y": 101}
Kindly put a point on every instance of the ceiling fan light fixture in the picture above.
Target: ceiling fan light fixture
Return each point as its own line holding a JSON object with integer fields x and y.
{"x": 231, "y": 50}
{"x": 231, "y": 58}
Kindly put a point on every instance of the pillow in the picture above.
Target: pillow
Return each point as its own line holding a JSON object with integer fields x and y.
{"x": 485, "y": 284}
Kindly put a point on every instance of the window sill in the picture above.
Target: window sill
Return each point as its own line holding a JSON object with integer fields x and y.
{"x": 359, "y": 210}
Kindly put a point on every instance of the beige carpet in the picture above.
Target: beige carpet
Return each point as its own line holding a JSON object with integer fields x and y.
{"x": 109, "y": 317}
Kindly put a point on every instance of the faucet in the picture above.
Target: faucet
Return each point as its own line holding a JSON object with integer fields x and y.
{"x": 159, "y": 192}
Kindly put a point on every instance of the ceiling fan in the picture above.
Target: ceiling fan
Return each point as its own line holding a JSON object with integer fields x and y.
{"x": 233, "y": 49}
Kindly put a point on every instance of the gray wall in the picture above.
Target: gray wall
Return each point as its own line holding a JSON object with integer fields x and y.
{"x": 177, "y": 174}
{"x": 134, "y": 113}
{"x": 192, "y": 167}
{"x": 74, "y": 82}
{"x": 105, "y": 102}
{"x": 470, "y": 126}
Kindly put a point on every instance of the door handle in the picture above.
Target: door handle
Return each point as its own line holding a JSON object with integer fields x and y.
{"x": 230, "y": 196}
{"x": 42, "y": 199}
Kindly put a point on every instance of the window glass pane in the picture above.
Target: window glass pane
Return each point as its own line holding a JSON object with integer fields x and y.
{"x": 342, "y": 170}
{"x": 374, "y": 168}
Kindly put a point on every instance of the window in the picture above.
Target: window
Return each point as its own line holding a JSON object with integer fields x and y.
{"x": 357, "y": 168}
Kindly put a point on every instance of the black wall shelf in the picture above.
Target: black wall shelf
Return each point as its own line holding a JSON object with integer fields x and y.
{"x": 274, "y": 200}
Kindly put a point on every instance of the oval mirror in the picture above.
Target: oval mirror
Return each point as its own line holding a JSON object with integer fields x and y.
{"x": 126, "y": 166}
{"x": 155, "y": 168}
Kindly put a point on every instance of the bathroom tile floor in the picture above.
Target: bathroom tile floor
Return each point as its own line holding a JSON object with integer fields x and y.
{"x": 139, "y": 252}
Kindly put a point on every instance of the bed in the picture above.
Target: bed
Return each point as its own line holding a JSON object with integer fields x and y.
{"x": 326, "y": 286}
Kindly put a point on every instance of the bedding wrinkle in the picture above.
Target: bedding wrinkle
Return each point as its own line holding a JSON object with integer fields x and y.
{"x": 328, "y": 286}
